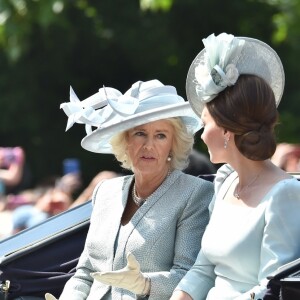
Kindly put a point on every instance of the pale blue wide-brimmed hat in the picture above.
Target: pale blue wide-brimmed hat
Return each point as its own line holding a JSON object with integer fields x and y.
{"x": 110, "y": 112}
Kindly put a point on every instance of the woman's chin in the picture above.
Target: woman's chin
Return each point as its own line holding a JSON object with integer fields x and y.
{"x": 213, "y": 159}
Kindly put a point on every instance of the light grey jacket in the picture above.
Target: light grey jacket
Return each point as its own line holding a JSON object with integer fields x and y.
{"x": 164, "y": 235}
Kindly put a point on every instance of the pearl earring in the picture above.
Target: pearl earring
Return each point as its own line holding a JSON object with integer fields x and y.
{"x": 169, "y": 158}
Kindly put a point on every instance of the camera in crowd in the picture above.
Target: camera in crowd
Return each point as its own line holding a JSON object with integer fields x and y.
{"x": 10, "y": 155}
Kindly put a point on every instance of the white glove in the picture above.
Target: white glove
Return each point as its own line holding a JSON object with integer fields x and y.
{"x": 129, "y": 278}
{"x": 49, "y": 296}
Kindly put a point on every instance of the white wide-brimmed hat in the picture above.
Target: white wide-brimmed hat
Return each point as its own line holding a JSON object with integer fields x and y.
{"x": 223, "y": 59}
{"x": 111, "y": 112}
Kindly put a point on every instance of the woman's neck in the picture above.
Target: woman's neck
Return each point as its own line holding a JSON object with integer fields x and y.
{"x": 146, "y": 184}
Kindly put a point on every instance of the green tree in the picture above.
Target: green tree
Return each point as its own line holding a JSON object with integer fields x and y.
{"x": 46, "y": 46}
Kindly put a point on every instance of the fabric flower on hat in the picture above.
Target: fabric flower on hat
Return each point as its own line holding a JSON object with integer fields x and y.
{"x": 232, "y": 74}
{"x": 217, "y": 69}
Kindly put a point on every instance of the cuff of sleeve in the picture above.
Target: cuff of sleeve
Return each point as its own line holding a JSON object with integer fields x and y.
{"x": 146, "y": 290}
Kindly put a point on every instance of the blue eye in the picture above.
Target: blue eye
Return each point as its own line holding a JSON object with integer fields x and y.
{"x": 161, "y": 136}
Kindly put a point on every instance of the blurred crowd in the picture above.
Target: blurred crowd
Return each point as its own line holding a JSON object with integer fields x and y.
{"x": 22, "y": 207}
{"x": 287, "y": 157}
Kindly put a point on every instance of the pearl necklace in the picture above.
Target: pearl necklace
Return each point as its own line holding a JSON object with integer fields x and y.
{"x": 139, "y": 201}
{"x": 237, "y": 194}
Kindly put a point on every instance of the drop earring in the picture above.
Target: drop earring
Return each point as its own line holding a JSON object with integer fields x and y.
{"x": 225, "y": 142}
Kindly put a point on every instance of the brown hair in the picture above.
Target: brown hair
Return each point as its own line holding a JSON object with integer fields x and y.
{"x": 248, "y": 109}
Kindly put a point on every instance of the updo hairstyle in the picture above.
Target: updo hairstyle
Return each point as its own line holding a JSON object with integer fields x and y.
{"x": 248, "y": 109}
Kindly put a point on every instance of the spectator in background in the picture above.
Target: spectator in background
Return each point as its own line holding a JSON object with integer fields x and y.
{"x": 51, "y": 196}
{"x": 287, "y": 157}
{"x": 51, "y": 201}
{"x": 69, "y": 183}
{"x": 11, "y": 167}
{"x": 88, "y": 191}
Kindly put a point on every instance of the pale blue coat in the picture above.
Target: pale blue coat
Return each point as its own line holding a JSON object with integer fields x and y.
{"x": 243, "y": 245}
{"x": 164, "y": 235}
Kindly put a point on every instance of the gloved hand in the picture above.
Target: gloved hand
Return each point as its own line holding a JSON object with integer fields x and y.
{"x": 48, "y": 296}
{"x": 129, "y": 278}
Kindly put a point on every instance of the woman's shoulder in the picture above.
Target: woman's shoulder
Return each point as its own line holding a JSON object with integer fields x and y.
{"x": 198, "y": 187}
{"x": 117, "y": 179}
{"x": 224, "y": 171}
{"x": 284, "y": 199}
{"x": 190, "y": 188}
{"x": 288, "y": 187}
{"x": 222, "y": 174}
{"x": 115, "y": 183}
{"x": 195, "y": 180}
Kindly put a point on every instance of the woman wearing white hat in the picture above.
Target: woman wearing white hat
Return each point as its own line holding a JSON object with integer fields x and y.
{"x": 235, "y": 84}
{"x": 145, "y": 228}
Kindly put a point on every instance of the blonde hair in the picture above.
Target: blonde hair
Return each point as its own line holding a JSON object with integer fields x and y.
{"x": 182, "y": 146}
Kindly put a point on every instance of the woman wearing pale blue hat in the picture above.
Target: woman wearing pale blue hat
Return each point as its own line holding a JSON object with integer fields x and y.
{"x": 235, "y": 85}
{"x": 146, "y": 228}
